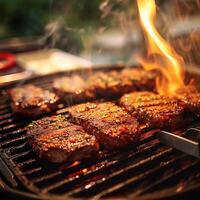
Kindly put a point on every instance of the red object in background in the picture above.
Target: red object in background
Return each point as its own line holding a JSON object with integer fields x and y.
{"x": 7, "y": 61}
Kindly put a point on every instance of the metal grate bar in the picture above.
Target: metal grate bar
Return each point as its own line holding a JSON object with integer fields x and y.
{"x": 6, "y": 122}
{"x": 134, "y": 181}
{"x": 9, "y": 135}
{"x": 11, "y": 141}
{"x": 5, "y": 99}
{"x": 35, "y": 170}
{"x": 4, "y": 106}
{"x": 47, "y": 177}
{"x": 5, "y": 116}
{"x": 27, "y": 162}
{"x": 104, "y": 160}
{"x": 19, "y": 155}
{"x": 157, "y": 184}
{"x": 111, "y": 156}
{"x": 124, "y": 173}
{"x": 11, "y": 151}
{"x": 5, "y": 112}
{"x": 118, "y": 166}
{"x": 12, "y": 127}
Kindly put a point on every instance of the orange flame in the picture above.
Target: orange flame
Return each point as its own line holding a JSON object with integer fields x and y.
{"x": 165, "y": 58}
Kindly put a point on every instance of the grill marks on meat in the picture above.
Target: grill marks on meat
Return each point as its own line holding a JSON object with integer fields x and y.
{"x": 57, "y": 140}
{"x": 140, "y": 78}
{"x": 32, "y": 101}
{"x": 190, "y": 98}
{"x": 77, "y": 136}
{"x": 74, "y": 88}
{"x": 154, "y": 110}
{"x": 112, "y": 126}
{"x": 191, "y": 102}
{"x": 115, "y": 83}
{"x": 109, "y": 84}
{"x": 104, "y": 84}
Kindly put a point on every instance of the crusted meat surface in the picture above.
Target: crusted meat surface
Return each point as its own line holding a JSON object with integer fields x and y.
{"x": 57, "y": 140}
{"x": 113, "y": 127}
{"x": 29, "y": 100}
{"x": 190, "y": 98}
{"x": 154, "y": 110}
{"x": 140, "y": 79}
{"x": 109, "y": 84}
{"x": 73, "y": 88}
{"x": 104, "y": 84}
{"x": 115, "y": 83}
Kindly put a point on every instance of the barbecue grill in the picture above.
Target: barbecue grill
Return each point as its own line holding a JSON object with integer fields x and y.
{"x": 149, "y": 170}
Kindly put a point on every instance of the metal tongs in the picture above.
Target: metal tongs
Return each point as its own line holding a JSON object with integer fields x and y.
{"x": 187, "y": 145}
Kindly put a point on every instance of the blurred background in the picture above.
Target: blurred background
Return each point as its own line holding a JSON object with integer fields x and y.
{"x": 103, "y": 32}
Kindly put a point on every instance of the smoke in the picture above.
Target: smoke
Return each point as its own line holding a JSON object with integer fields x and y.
{"x": 107, "y": 17}
{"x": 117, "y": 36}
{"x": 184, "y": 28}
{"x": 60, "y": 35}
{"x": 117, "y": 15}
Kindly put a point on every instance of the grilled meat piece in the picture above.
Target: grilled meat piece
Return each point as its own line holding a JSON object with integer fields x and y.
{"x": 190, "y": 98}
{"x": 116, "y": 83}
{"x": 191, "y": 88}
{"x": 104, "y": 84}
{"x": 113, "y": 127}
{"x": 109, "y": 84}
{"x": 57, "y": 140}
{"x": 140, "y": 79}
{"x": 31, "y": 101}
{"x": 73, "y": 89}
{"x": 154, "y": 110}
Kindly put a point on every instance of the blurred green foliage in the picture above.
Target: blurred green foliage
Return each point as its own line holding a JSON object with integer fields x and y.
{"x": 29, "y": 17}
{"x": 22, "y": 18}
{"x": 66, "y": 22}
{"x": 60, "y": 18}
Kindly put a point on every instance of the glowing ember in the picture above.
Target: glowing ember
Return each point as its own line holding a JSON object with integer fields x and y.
{"x": 164, "y": 57}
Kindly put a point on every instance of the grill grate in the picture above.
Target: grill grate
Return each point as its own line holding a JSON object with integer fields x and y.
{"x": 149, "y": 167}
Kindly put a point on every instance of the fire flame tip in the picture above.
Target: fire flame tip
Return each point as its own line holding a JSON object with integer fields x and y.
{"x": 164, "y": 56}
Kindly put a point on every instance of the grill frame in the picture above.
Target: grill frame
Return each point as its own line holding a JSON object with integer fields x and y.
{"x": 8, "y": 167}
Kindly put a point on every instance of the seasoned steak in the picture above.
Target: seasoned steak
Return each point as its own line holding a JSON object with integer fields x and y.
{"x": 57, "y": 140}
{"x": 113, "y": 127}
{"x": 140, "y": 79}
{"x": 104, "y": 84}
{"x": 73, "y": 89}
{"x": 31, "y": 101}
{"x": 190, "y": 98}
{"x": 116, "y": 83}
{"x": 154, "y": 110}
{"x": 109, "y": 84}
